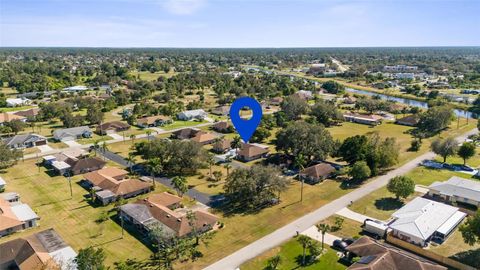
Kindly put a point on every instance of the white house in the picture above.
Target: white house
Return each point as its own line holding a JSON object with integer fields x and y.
{"x": 458, "y": 190}
{"x": 192, "y": 114}
{"x": 76, "y": 88}
{"x": 2, "y": 184}
{"x": 16, "y": 102}
{"x": 421, "y": 221}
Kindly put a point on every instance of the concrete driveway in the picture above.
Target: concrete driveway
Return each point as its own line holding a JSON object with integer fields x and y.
{"x": 313, "y": 233}
{"x": 116, "y": 136}
{"x": 345, "y": 212}
{"x": 44, "y": 148}
{"x": 72, "y": 143}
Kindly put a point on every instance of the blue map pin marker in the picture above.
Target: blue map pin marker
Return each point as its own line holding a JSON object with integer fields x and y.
{"x": 245, "y": 127}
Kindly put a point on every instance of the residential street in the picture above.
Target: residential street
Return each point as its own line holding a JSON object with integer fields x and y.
{"x": 290, "y": 230}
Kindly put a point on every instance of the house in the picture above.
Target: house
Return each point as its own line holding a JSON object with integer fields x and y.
{"x": 2, "y": 184}
{"x": 350, "y": 100}
{"x": 456, "y": 190}
{"x": 111, "y": 184}
{"x": 153, "y": 121}
{"x": 17, "y": 102}
{"x": 76, "y": 88}
{"x": 409, "y": 120}
{"x": 275, "y": 101}
{"x": 73, "y": 162}
{"x": 15, "y": 216}
{"x": 71, "y": 134}
{"x": 363, "y": 118}
{"x": 29, "y": 114}
{"x": 304, "y": 94}
{"x": 377, "y": 255}
{"x": 25, "y": 141}
{"x": 250, "y": 151}
{"x": 10, "y": 197}
{"x": 223, "y": 126}
{"x": 198, "y": 114}
{"x": 112, "y": 127}
{"x": 185, "y": 133}
{"x": 159, "y": 211}
{"x": 204, "y": 138}
{"x": 221, "y": 110}
{"x": 317, "y": 173}
{"x": 421, "y": 221}
{"x": 221, "y": 146}
{"x": 42, "y": 250}
{"x": 8, "y": 117}
{"x": 316, "y": 69}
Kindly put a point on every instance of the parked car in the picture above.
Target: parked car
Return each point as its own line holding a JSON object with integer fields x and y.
{"x": 339, "y": 245}
{"x": 466, "y": 168}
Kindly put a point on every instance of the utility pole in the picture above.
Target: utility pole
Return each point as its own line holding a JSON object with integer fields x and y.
{"x": 70, "y": 184}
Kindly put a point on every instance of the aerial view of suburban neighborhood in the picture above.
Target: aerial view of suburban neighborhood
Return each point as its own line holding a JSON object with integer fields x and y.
{"x": 239, "y": 135}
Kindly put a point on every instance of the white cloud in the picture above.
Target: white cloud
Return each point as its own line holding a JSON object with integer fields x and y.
{"x": 183, "y": 7}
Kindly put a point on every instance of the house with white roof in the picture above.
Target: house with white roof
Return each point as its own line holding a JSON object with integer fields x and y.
{"x": 17, "y": 102}
{"x": 76, "y": 88}
{"x": 456, "y": 190}
{"x": 2, "y": 184}
{"x": 15, "y": 216}
{"x": 421, "y": 221}
{"x": 199, "y": 114}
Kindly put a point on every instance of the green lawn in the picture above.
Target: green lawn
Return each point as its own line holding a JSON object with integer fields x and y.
{"x": 94, "y": 138}
{"x": 182, "y": 124}
{"x": 73, "y": 218}
{"x": 349, "y": 229}
{"x": 291, "y": 254}
{"x": 149, "y": 76}
{"x": 14, "y": 109}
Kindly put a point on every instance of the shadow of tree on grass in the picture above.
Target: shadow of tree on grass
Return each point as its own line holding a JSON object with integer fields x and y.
{"x": 388, "y": 204}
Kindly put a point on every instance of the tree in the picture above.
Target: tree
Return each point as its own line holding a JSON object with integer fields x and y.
{"x": 260, "y": 134}
{"x": 8, "y": 157}
{"x": 436, "y": 118}
{"x": 256, "y": 187}
{"x": 314, "y": 142}
{"x": 273, "y": 262}
{"x": 91, "y": 258}
{"x": 466, "y": 151}
{"x": 471, "y": 229}
{"x": 217, "y": 175}
{"x": 131, "y": 161}
{"x": 323, "y": 229}
{"x": 305, "y": 242}
{"x": 16, "y": 126}
{"x": 293, "y": 107}
{"x": 445, "y": 147}
{"x": 154, "y": 166}
{"x": 333, "y": 87}
{"x": 180, "y": 183}
{"x": 94, "y": 115}
{"x": 401, "y": 186}
{"x": 210, "y": 162}
{"x": 354, "y": 148}
{"x": 227, "y": 167}
{"x": 360, "y": 171}
{"x": 326, "y": 113}
{"x": 300, "y": 164}
{"x": 148, "y": 132}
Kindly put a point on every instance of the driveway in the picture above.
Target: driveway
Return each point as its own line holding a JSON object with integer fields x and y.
{"x": 303, "y": 223}
{"x": 116, "y": 136}
{"x": 313, "y": 233}
{"x": 72, "y": 143}
{"x": 44, "y": 148}
{"x": 347, "y": 213}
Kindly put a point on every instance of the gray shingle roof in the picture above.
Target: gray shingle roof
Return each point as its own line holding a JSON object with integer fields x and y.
{"x": 457, "y": 186}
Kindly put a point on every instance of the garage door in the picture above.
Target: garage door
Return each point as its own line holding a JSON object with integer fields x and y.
{"x": 41, "y": 143}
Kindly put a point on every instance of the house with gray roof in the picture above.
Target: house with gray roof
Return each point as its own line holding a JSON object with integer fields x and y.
{"x": 71, "y": 134}
{"x": 421, "y": 221}
{"x": 25, "y": 141}
{"x": 192, "y": 114}
{"x": 456, "y": 190}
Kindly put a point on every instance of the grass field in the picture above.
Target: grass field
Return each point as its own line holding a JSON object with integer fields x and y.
{"x": 291, "y": 254}
{"x": 149, "y": 76}
{"x": 14, "y": 109}
{"x": 350, "y": 228}
{"x": 73, "y": 218}
{"x": 182, "y": 124}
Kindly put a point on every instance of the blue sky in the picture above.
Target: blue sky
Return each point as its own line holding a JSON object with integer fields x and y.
{"x": 239, "y": 23}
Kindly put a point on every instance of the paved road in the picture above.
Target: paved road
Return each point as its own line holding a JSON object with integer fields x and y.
{"x": 290, "y": 230}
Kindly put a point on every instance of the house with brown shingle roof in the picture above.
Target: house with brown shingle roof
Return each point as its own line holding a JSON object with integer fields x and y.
{"x": 317, "y": 173}
{"x": 221, "y": 110}
{"x": 112, "y": 127}
{"x": 112, "y": 183}
{"x": 409, "y": 120}
{"x": 249, "y": 152}
{"x": 223, "y": 126}
{"x": 366, "y": 119}
{"x": 150, "y": 213}
{"x": 221, "y": 146}
{"x": 30, "y": 113}
{"x": 376, "y": 255}
{"x": 42, "y": 250}
{"x": 195, "y": 135}
{"x": 8, "y": 117}
{"x": 153, "y": 121}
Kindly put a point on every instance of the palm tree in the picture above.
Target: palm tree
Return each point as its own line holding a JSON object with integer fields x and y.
{"x": 299, "y": 163}
{"x": 132, "y": 137}
{"x": 227, "y": 167}
{"x": 274, "y": 262}
{"x": 131, "y": 161}
{"x": 148, "y": 132}
{"x": 180, "y": 184}
{"x": 104, "y": 148}
{"x": 323, "y": 229}
{"x": 95, "y": 146}
{"x": 210, "y": 162}
{"x": 155, "y": 167}
{"x": 305, "y": 241}
{"x": 236, "y": 143}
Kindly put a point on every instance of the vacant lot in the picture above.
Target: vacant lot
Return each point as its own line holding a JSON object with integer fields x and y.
{"x": 291, "y": 254}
